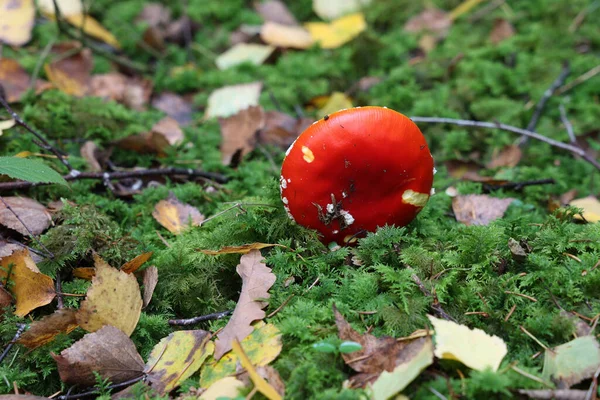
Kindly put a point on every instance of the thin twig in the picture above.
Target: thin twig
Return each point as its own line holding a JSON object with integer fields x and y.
{"x": 435, "y": 305}
{"x": 119, "y": 175}
{"x": 201, "y": 318}
{"x": 18, "y": 333}
{"x": 578, "y": 20}
{"x": 40, "y": 62}
{"x": 579, "y": 80}
{"x": 95, "y": 392}
{"x": 567, "y": 123}
{"x": 525, "y": 331}
{"x": 522, "y": 295}
{"x": 519, "y": 185}
{"x": 509, "y": 128}
{"x": 59, "y": 295}
{"x": 281, "y": 306}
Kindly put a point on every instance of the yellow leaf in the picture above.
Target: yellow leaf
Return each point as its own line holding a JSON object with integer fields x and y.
{"x": 280, "y": 35}
{"x": 16, "y": 21}
{"x": 45, "y": 330}
{"x": 86, "y": 273}
{"x": 243, "y": 249}
{"x": 472, "y": 347}
{"x": 113, "y": 299}
{"x": 133, "y": 265}
{"x": 336, "y": 102}
{"x": 7, "y": 124}
{"x": 590, "y": 206}
{"x": 262, "y": 346}
{"x": 463, "y": 8}
{"x": 244, "y": 52}
{"x": 30, "y": 288}
{"x": 226, "y": 387}
{"x": 261, "y": 385}
{"x": 176, "y": 357}
{"x": 176, "y": 216}
{"x": 337, "y": 32}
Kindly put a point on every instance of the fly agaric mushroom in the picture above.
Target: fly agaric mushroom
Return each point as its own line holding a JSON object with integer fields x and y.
{"x": 355, "y": 170}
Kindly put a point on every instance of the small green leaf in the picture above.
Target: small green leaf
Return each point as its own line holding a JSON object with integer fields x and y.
{"x": 349, "y": 347}
{"x": 324, "y": 347}
{"x": 29, "y": 170}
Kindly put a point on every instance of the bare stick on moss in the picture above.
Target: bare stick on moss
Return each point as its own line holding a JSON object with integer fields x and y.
{"x": 567, "y": 124}
{"x": 41, "y": 140}
{"x": 509, "y": 128}
{"x": 120, "y": 175}
{"x": 20, "y": 330}
{"x": 435, "y": 305}
{"x": 201, "y": 318}
{"x": 519, "y": 185}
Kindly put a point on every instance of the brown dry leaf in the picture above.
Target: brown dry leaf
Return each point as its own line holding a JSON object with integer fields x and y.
{"x": 86, "y": 273}
{"x": 70, "y": 74}
{"x": 174, "y": 106}
{"x": 131, "y": 266}
{"x": 469, "y": 171}
{"x": 257, "y": 279}
{"x": 30, "y": 288}
{"x": 150, "y": 279}
{"x": 5, "y": 299}
{"x": 275, "y": 11}
{"x": 33, "y": 214}
{"x": 243, "y": 249}
{"x": 109, "y": 352}
{"x": 502, "y": 30}
{"x": 17, "y": 21}
{"x": 45, "y": 330}
{"x": 280, "y": 35}
{"x": 113, "y": 299}
{"x": 508, "y": 157}
{"x": 282, "y": 129}
{"x": 15, "y": 80}
{"x": 568, "y": 197}
{"x": 272, "y": 376}
{"x": 88, "y": 151}
{"x": 377, "y": 354}
{"x": 479, "y": 209}
{"x": 431, "y": 20}
{"x": 155, "y": 14}
{"x": 239, "y": 133}
{"x": 175, "y": 215}
{"x": 6, "y": 248}
{"x": 131, "y": 92}
{"x": 163, "y": 134}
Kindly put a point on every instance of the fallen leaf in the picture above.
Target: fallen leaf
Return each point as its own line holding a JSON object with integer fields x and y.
{"x": 131, "y": 92}
{"x": 281, "y": 129}
{"x": 112, "y": 299}
{"x": 131, "y": 266}
{"x": 568, "y": 197}
{"x": 275, "y": 11}
{"x": 257, "y": 279}
{"x": 508, "y": 157}
{"x": 177, "y": 357}
{"x": 517, "y": 251}
{"x": 155, "y": 14}
{"x": 572, "y": 362}
{"x": 6, "y": 248}
{"x": 259, "y": 383}
{"x": 70, "y": 74}
{"x": 174, "y": 106}
{"x": 431, "y": 20}
{"x": 34, "y": 215}
{"x": 45, "y": 330}
{"x": 590, "y": 206}
{"x": 285, "y": 36}
{"x": 332, "y": 9}
{"x": 479, "y": 209}
{"x": 88, "y": 151}
{"x": 7, "y": 124}
{"x": 463, "y": 8}
{"x": 262, "y": 346}
{"x": 228, "y": 387}
{"x": 30, "y": 288}
{"x": 337, "y": 32}
{"x": 229, "y": 100}
{"x": 472, "y": 347}
{"x": 108, "y": 352}
{"x": 164, "y": 133}
{"x": 6, "y": 299}
{"x": 17, "y": 21}
{"x": 86, "y": 273}
{"x": 244, "y": 52}
{"x": 243, "y": 249}
{"x": 150, "y": 279}
{"x": 502, "y": 30}
{"x": 176, "y": 216}
{"x": 239, "y": 133}
{"x": 336, "y": 102}
{"x": 16, "y": 81}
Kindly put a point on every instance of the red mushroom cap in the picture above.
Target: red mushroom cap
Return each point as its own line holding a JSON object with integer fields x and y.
{"x": 355, "y": 170}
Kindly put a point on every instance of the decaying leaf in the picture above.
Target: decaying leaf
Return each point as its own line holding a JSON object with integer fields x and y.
{"x": 30, "y": 288}
{"x": 89, "y": 152}
{"x": 472, "y": 347}
{"x": 502, "y": 30}
{"x": 174, "y": 106}
{"x": 331, "y": 9}
{"x": 33, "y": 214}
{"x": 244, "y": 53}
{"x": 239, "y": 133}
{"x": 275, "y": 11}
{"x": 508, "y": 157}
{"x": 228, "y": 100}
{"x": 243, "y": 249}
{"x": 70, "y": 74}
{"x": 479, "y": 209}
{"x": 590, "y": 206}
{"x": 228, "y": 387}
{"x": 337, "y": 32}
{"x": 337, "y": 101}
{"x": 132, "y": 92}
{"x": 259, "y": 382}
{"x": 282, "y": 129}
{"x": 150, "y": 279}
{"x": 572, "y": 362}
{"x": 133, "y": 265}
{"x": 113, "y": 299}
{"x": 5, "y": 299}
{"x": 16, "y": 22}
{"x": 431, "y": 20}
{"x": 163, "y": 134}
{"x": 109, "y": 352}
{"x": 86, "y": 273}
{"x": 45, "y": 330}
{"x": 262, "y": 346}
{"x": 285, "y": 36}
{"x": 177, "y": 357}
{"x": 15, "y": 80}
{"x": 257, "y": 279}
{"x": 7, "y": 248}
{"x": 175, "y": 215}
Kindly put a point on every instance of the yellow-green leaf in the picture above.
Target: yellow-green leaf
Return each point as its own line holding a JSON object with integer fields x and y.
{"x": 261, "y": 385}
{"x": 337, "y": 32}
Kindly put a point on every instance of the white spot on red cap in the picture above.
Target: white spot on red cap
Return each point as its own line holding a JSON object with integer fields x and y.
{"x": 308, "y": 154}
{"x": 283, "y": 183}
{"x": 415, "y": 198}
{"x": 348, "y": 218}
{"x": 285, "y": 200}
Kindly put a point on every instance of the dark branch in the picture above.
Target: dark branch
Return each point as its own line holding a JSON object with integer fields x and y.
{"x": 20, "y": 330}
{"x": 95, "y": 392}
{"x": 201, "y": 318}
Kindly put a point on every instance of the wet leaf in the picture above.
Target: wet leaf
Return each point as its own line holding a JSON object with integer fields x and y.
{"x": 260, "y": 384}
{"x": 176, "y": 216}
{"x": 286, "y": 36}
{"x": 17, "y": 21}
{"x": 150, "y": 279}
{"x": 109, "y": 352}
{"x": 332, "y": 9}
{"x": 112, "y": 299}
{"x": 243, "y": 249}
{"x": 572, "y": 362}
{"x": 431, "y": 20}
{"x": 70, "y": 74}
{"x": 30, "y": 288}
{"x": 502, "y": 30}
{"x": 176, "y": 358}
{"x": 257, "y": 279}
{"x": 262, "y": 346}
{"x": 275, "y": 11}
{"x": 35, "y": 216}
{"x": 244, "y": 53}
{"x": 133, "y": 265}
{"x": 337, "y": 32}
{"x": 174, "y": 106}
{"x": 229, "y": 100}
{"x": 590, "y": 206}
{"x": 45, "y": 330}
{"x": 239, "y": 133}
{"x": 508, "y": 157}
{"x": 475, "y": 209}
{"x": 16, "y": 81}
{"x": 472, "y": 347}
